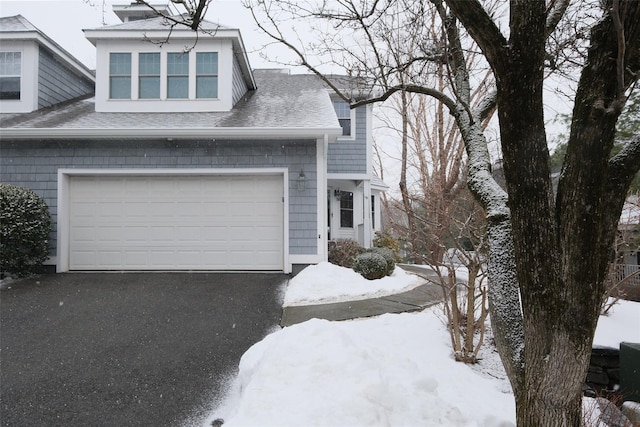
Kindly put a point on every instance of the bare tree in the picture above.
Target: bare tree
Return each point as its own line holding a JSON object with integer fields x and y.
{"x": 549, "y": 252}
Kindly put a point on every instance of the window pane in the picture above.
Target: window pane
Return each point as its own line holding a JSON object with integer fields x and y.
{"x": 342, "y": 109}
{"x": 206, "y": 75}
{"x": 346, "y": 209}
{"x": 346, "y": 126}
{"x": 9, "y": 87}
{"x": 207, "y": 63}
{"x": 120, "y": 76}
{"x": 206, "y": 87}
{"x": 120, "y": 88}
{"x": 177, "y": 87}
{"x": 178, "y": 64}
{"x": 373, "y": 211}
{"x": 120, "y": 64}
{"x": 149, "y": 64}
{"x": 10, "y": 63}
{"x": 149, "y": 87}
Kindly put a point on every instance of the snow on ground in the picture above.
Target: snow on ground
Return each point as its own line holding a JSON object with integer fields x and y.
{"x": 391, "y": 370}
{"x": 622, "y": 324}
{"x": 324, "y": 283}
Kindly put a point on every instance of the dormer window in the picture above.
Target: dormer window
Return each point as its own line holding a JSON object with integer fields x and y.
{"x": 10, "y": 70}
{"x": 206, "y": 75}
{"x": 120, "y": 76}
{"x": 149, "y": 76}
{"x": 178, "y": 75}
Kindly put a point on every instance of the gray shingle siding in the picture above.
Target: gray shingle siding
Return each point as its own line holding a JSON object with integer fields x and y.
{"x": 239, "y": 85}
{"x": 350, "y": 156}
{"x": 56, "y": 83}
{"x": 35, "y": 165}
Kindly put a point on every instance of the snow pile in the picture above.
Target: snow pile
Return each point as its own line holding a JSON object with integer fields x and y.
{"x": 394, "y": 370}
{"x": 325, "y": 283}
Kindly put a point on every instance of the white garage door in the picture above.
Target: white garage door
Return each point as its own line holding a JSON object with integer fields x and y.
{"x": 222, "y": 222}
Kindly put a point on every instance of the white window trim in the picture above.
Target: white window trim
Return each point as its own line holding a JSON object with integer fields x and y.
{"x": 64, "y": 175}
{"x": 29, "y": 61}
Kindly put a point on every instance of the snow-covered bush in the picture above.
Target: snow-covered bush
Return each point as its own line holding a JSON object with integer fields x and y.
{"x": 370, "y": 265}
{"x": 389, "y": 257}
{"x": 342, "y": 252}
{"x": 25, "y": 225}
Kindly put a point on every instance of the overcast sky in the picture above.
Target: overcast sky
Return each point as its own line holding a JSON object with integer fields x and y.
{"x": 64, "y": 20}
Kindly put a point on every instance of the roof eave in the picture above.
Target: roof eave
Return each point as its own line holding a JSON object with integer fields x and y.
{"x": 175, "y": 133}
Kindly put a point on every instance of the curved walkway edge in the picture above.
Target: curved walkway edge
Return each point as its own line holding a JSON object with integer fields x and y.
{"x": 416, "y": 299}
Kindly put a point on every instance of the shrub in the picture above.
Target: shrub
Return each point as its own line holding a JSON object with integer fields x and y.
{"x": 388, "y": 256}
{"x": 342, "y": 252}
{"x": 383, "y": 239}
{"x": 370, "y": 265}
{"x": 25, "y": 225}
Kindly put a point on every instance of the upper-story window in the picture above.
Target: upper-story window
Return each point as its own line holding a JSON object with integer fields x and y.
{"x": 120, "y": 76}
{"x": 158, "y": 75}
{"x": 344, "y": 116}
{"x": 206, "y": 75}
{"x": 10, "y": 69}
{"x": 149, "y": 76}
{"x": 177, "y": 75}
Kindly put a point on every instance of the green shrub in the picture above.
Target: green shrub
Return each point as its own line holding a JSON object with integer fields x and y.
{"x": 370, "y": 265}
{"x": 25, "y": 225}
{"x": 342, "y": 252}
{"x": 383, "y": 239}
{"x": 388, "y": 256}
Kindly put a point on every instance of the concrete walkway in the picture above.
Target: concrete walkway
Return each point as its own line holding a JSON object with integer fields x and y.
{"x": 413, "y": 300}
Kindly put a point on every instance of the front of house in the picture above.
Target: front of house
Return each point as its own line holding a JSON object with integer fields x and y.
{"x": 181, "y": 159}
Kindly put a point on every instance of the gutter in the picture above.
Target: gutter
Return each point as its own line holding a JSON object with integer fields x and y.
{"x": 170, "y": 134}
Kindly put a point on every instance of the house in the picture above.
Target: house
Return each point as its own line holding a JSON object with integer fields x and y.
{"x": 176, "y": 155}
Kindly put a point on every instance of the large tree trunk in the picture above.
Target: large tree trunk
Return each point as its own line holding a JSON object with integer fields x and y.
{"x": 560, "y": 248}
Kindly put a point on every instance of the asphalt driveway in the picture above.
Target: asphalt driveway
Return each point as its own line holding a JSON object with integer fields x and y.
{"x": 127, "y": 349}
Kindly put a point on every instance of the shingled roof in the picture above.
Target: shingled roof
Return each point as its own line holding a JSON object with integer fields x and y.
{"x": 282, "y": 104}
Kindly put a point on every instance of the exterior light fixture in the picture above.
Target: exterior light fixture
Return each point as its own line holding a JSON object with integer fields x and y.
{"x": 302, "y": 181}
{"x": 337, "y": 194}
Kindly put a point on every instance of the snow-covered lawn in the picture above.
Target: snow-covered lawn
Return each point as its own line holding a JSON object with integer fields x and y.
{"x": 392, "y": 370}
{"x": 324, "y": 283}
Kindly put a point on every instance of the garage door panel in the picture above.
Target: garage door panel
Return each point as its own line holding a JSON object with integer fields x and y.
{"x": 176, "y": 222}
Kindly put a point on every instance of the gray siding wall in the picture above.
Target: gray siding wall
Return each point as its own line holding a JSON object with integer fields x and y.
{"x": 57, "y": 83}
{"x": 350, "y": 156}
{"x": 35, "y": 165}
{"x": 239, "y": 86}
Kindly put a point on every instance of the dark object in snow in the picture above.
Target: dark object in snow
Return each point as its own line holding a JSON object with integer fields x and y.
{"x": 217, "y": 422}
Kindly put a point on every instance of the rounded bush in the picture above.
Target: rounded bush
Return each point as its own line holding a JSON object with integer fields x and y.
{"x": 25, "y": 225}
{"x": 342, "y": 252}
{"x": 388, "y": 256}
{"x": 370, "y": 265}
{"x": 386, "y": 240}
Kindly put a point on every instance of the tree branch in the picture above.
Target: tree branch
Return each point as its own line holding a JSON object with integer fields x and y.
{"x": 450, "y": 103}
{"x": 623, "y": 167}
{"x": 555, "y": 12}
{"x": 481, "y": 27}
